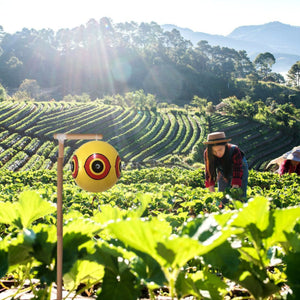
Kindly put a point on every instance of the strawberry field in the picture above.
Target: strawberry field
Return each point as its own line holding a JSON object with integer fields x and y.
{"x": 27, "y": 129}
{"x": 158, "y": 231}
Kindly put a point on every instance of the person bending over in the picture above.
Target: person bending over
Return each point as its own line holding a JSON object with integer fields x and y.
{"x": 225, "y": 164}
{"x": 291, "y": 164}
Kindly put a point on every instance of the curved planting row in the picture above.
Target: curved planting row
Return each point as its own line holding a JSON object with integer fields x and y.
{"x": 159, "y": 135}
{"x": 64, "y": 120}
{"x": 10, "y": 110}
{"x": 133, "y": 132}
{"x": 159, "y": 149}
{"x": 197, "y": 129}
{"x": 26, "y": 138}
{"x": 39, "y": 110}
{"x": 145, "y": 140}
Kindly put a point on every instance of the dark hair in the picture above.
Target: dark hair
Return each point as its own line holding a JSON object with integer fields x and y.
{"x": 213, "y": 161}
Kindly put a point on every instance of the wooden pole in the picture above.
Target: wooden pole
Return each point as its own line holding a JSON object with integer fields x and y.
{"x": 60, "y": 163}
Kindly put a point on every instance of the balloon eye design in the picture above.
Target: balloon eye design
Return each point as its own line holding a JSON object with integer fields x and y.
{"x": 118, "y": 166}
{"x": 74, "y": 166}
{"x": 97, "y": 166}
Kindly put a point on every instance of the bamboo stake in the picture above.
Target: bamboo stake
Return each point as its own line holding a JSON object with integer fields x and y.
{"x": 60, "y": 161}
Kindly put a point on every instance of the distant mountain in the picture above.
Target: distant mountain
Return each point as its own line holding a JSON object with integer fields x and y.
{"x": 282, "y": 40}
{"x": 277, "y": 36}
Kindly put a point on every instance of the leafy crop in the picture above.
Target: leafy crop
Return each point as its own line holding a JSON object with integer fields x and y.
{"x": 153, "y": 232}
{"x": 140, "y": 135}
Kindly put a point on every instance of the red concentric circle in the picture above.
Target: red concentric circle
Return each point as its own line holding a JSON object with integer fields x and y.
{"x": 97, "y": 166}
{"x": 74, "y": 166}
{"x": 118, "y": 166}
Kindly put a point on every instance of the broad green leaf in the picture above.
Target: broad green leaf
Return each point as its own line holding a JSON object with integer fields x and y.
{"x": 293, "y": 239}
{"x": 106, "y": 254}
{"x": 140, "y": 234}
{"x": 255, "y": 211}
{"x": 207, "y": 229}
{"x": 29, "y": 236}
{"x": 121, "y": 285}
{"x": 179, "y": 250}
{"x": 145, "y": 199}
{"x": 8, "y": 213}
{"x": 19, "y": 252}
{"x": 201, "y": 284}
{"x": 284, "y": 222}
{"x": 148, "y": 270}
{"x": 83, "y": 272}
{"x": 154, "y": 238}
{"x": 72, "y": 250}
{"x": 230, "y": 263}
{"x": 29, "y": 208}
{"x": 250, "y": 254}
{"x": 82, "y": 225}
{"x": 44, "y": 247}
{"x": 32, "y": 207}
{"x": 224, "y": 257}
{"x": 292, "y": 272}
{"x": 3, "y": 262}
{"x": 256, "y": 281}
{"x": 108, "y": 213}
{"x": 224, "y": 218}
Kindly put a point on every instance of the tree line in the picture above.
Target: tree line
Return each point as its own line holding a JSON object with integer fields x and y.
{"x": 103, "y": 58}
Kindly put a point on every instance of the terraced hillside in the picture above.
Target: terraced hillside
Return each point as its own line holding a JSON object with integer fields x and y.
{"x": 26, "y": 133}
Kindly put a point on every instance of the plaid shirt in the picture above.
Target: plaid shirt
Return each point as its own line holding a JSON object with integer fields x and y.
{"x": 237, "y": 167}
{"x": 287, "y": 167}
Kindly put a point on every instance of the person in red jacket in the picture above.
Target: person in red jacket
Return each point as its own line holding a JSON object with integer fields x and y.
{"x": 291, "y": 164}
{"x": 225, "y": 164}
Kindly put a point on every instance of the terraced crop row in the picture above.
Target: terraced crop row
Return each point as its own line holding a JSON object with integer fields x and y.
{"x": 26, "y": 133}
{"x": 26, "y": 137}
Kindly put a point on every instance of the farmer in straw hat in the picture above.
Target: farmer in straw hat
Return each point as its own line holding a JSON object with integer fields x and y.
{"x": 288, "y": 162}
{"x": 291, "y": 164}
{"x": 225, "y": 164}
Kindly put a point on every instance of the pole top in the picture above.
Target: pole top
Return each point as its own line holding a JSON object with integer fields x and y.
{"x": 77, "y": 136}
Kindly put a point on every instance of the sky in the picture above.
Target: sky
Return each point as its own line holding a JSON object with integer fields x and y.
{"x": 208, "y": 16}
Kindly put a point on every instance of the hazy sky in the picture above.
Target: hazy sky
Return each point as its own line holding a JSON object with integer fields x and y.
{"x": 209, "y": 16}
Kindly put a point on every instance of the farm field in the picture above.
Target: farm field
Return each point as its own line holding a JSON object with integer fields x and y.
{"x": 138, "y": 223}
{"x": 27, "y": 129}
{"x": 157, "y": 232}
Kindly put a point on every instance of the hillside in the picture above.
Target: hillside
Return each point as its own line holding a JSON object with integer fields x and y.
{"x": 95, "y": 61}
{"x": 282, "y": 40}
{"x": 140, "y": 136}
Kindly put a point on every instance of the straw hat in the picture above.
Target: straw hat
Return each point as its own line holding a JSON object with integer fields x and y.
{"x": 294, "y": 156}
{"x": 216, "y": 138}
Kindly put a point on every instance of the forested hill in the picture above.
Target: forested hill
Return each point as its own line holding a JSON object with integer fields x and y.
{"x": 282, "y": 40}
{"x": 103, "y": 58}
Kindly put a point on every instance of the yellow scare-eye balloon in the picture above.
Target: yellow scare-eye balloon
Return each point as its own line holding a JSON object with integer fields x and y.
{"x": 96, "y": 166}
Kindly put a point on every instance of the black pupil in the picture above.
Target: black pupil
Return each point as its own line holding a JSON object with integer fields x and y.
{"x": 72, "y": 166}
{"x": 97, "y": 166}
